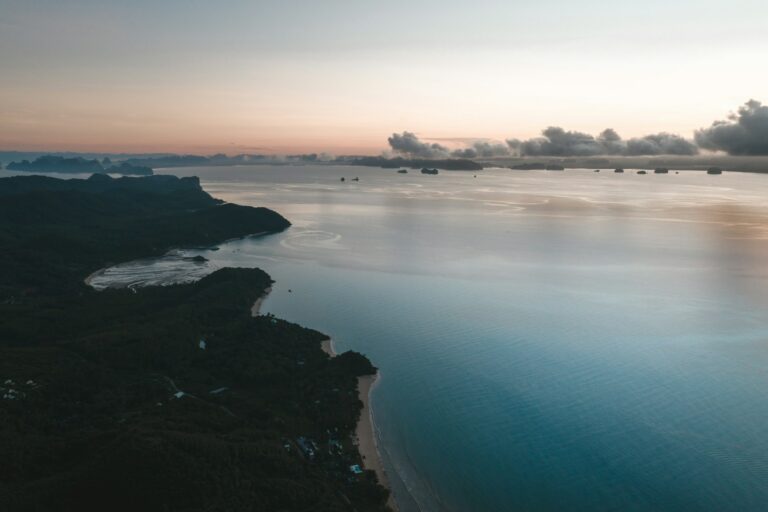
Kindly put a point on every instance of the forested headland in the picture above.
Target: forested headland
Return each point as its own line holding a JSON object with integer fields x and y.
{"x": 159, "y": 398}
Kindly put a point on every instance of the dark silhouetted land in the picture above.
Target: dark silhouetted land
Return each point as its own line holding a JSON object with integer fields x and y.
{"x": 77, "y": 165}
{"x": 117, "y": 404}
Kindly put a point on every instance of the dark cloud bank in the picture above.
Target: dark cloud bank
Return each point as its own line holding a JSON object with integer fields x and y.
{"x": 554, "y": 141}
{"x": 558, "y": 142}
{"x": 408, "y": 143}
{"x": 744, "y": 133}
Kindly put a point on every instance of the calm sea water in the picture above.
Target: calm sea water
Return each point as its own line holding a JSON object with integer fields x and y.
{"x": 547, "y": 340}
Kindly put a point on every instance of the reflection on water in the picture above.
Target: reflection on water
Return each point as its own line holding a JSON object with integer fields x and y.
{"x": 547, "y": 341}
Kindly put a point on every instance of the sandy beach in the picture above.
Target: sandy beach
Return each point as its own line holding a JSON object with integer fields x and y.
{"x": 256, "y": 308}
{"x": 327, "y": 347}
{"x": 365, "y": 437}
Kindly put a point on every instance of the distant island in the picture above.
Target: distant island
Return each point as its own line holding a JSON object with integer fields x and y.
{"x": 449, "y": 164}
{"x": 537, "y": 166}
{"x": 161, "y": 398}
{"x": 131, "y": 164}
{"x": 77, "y": 165}
{"x": 702, "y": 162}
{"x": 220, "y": 160}
{"x": 172, "y": 161}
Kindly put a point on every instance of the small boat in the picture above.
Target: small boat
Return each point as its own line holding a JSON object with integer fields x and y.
{"x": 618, "y": 170}
{"x": 714, "y": 170}
{"x": 641, "y": 172}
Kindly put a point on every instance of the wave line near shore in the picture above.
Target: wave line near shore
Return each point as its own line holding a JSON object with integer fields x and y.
{"x": 365, "y": 436}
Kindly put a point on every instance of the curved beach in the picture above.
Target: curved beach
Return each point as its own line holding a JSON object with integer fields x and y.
{"x": 365, "y": 436}
{"x": 256, "y": 308}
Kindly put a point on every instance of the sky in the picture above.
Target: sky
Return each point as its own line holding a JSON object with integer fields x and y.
{"x": 292, "y": 76}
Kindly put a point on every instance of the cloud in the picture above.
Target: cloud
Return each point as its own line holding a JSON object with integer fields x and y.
{"x": 407, "y": 143}
{"x": 555, "y": 141}
{"x": 660, "y": 144}
{"x": 482, "y": 149}
{"x": 610, "y": 142}
{"x": 744, "y": 133}
{"x": 558, "y": 142}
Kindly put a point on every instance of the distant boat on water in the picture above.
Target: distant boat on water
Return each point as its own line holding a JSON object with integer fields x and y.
{"x": 661, "y": 170}
{"x": 428, "y": 171}
{"x": 618, "y": 170}
{"x": 714, "y": 170}
{"x": 641, "y": 172}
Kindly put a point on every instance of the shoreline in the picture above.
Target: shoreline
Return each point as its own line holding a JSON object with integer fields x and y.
{"x": 87, "y": 280}
{"x": 256, "y": 308}
{"x": 365, "y": 435}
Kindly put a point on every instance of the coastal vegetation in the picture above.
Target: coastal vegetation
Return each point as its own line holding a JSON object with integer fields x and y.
{"x": 160, "y": 398}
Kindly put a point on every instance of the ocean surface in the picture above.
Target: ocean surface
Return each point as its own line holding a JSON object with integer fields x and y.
{"x": 547, "y": 341}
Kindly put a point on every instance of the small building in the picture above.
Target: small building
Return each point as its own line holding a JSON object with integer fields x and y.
{"x": 308, "y": 447}
{"x": 334, "y": 447}
{"x": 12, "y": 394}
